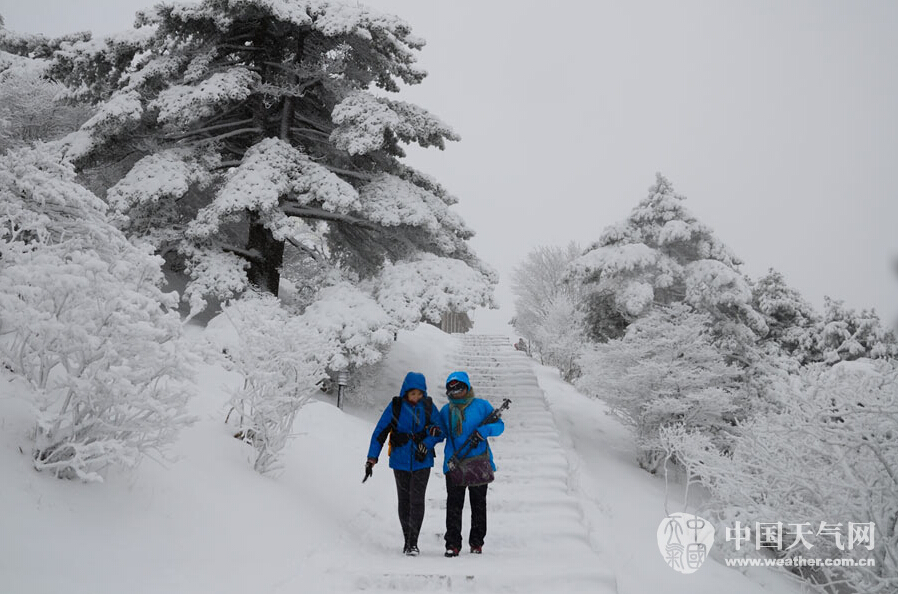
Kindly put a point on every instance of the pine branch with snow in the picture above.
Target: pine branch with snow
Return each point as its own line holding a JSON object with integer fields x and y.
{"x": 423, "y": 290}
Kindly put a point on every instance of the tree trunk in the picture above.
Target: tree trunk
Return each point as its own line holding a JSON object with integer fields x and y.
{"x": 265, "y": 271}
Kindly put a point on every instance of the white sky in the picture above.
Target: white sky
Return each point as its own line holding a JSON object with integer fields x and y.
{"x": 777, "y": 120}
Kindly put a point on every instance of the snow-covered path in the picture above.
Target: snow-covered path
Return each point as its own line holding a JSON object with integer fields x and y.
{"x": 569, "y": 511}
{"x": 537, "y": 540}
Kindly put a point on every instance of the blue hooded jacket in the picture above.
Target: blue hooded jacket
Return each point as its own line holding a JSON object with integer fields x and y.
{"x": 475, "y": 413}
{"x": 412, "y": 419}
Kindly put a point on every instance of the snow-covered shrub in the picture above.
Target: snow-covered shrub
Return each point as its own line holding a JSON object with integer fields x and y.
{"x": 665, "y": 370}
{"x": 29, "y": 105}
{"x": 830, "y": 455}
{"x": 559, "y": 336}
{"x": 278, "y": 358}
{"x": 84, "y": 321}
{"x": 282, "y": 357}
{"x": 547, "y": 308}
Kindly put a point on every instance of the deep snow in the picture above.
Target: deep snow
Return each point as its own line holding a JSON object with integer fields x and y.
{"x": 206, "y": 523}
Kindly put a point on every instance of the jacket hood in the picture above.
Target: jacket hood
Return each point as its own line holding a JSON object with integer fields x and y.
{"x": 413, "y": 381}
{"x": 460, "y": 376}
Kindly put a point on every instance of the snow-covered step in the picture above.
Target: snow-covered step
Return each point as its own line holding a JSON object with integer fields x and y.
{"x": 430, "y": 572}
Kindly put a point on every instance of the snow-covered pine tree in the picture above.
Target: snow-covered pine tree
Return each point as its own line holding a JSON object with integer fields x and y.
{"x": 789, "y": 317}
{"x": 661, "y": 254}
{"x": 845, "y": 334}
{"x": 245, "y": 139}
{"x": 245, "y": 127}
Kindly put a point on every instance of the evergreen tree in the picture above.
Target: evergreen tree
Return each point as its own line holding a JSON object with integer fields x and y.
{"x": 789, "y": 317}
{"x": 244, "y": 127}
{"x": 660, "y": 255}
{"x": 846, "y": 335}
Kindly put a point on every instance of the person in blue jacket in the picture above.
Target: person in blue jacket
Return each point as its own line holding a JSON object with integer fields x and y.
{"x": 410, "y": 423}
{"x": 459, "y": 419}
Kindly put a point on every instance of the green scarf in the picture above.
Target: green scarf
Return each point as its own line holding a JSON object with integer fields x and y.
{"x": 457, "y": 410}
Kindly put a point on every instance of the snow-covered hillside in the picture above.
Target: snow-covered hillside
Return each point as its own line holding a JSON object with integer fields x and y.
{"x": 569, "y": 510}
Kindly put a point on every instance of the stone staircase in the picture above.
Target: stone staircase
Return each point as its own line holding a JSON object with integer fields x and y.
{"x": 536, "y": 539}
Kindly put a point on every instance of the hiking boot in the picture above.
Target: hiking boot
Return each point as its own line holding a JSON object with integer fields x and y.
{"x": 412, "y": 550}
{"x": 476, "y": 550}
{"x": 452, "y": 552}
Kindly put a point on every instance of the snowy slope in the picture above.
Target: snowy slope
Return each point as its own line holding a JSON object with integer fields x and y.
{"x": 568, "y": 505}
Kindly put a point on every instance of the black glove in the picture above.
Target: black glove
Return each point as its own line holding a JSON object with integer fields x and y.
{"x": 421, "y": 452}
{"x": 476, "y": 438}
{"x": 434, "y": 430}
{"x": 369, "y": 469}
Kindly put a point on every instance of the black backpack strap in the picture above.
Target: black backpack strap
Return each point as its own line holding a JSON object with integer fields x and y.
{"x": 428, "y": 409}
{"x": 397, "y": 408}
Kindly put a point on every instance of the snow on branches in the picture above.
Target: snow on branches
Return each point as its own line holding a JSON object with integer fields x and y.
{"x": 845, "y": 335}
{"x": 610, "y": 260}
{"x": 114, "y": 117}
{"x": 427, "y": 288}
{"x": 166, "y": 174}
{"x": 85, "y": 323}
{"x": 181, "y": 105}
{"x": 214, "y": 273}
{"x": 631, "y": 271}
{"x": 662, "y": 255}
{"x": 365, "y": 121}
{"x": 392, "y": 201}
{"x": 275, "y": 355}
{"x": 42, "y": 200}
{"x": 271, "y": 170}
{"x": 829, "y": 453}
{"x": 713, "y": 286}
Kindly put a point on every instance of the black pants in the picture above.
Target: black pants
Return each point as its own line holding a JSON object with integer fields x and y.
{"x": 411, "y": 487}
{"x": 455, "y": 504}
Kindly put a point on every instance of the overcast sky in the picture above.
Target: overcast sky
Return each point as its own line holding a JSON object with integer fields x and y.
{"x": 778, "y": 120}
